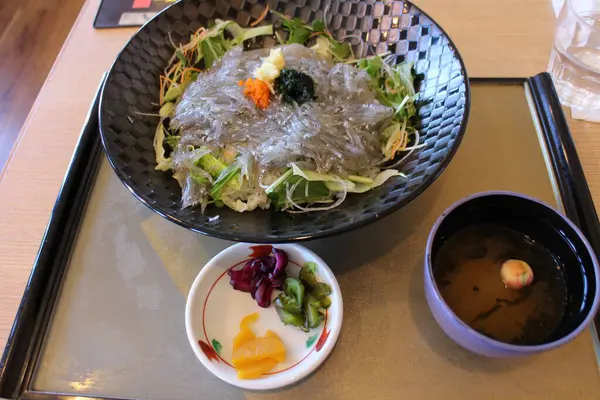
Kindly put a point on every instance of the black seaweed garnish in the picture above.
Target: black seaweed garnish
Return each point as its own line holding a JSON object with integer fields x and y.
{"x": 295, "y": 86}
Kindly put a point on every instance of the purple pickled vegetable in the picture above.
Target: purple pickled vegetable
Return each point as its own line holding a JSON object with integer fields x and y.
{"x": 268, "y": 264}
{"x": 238, "y": 275}
{"x": 277, "y": 282}
{"x": 263, "y": 293}
{"x": 260, "y": 275}
{"x": 243, "y": 286}
{"x": 281, "y": 261}
{"x": 254, "y": 283}
{"x": 252, "y": 268}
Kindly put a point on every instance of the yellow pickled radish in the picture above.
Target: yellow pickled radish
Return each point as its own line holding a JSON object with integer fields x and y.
{"x": 245, "y": 334}
{"x": 256, "y": 369}
{"x": 270, "y": 333}
{"x": 258, "y": 349}
{"x": 249, "y": 319}
{"x": 254, "y": 356}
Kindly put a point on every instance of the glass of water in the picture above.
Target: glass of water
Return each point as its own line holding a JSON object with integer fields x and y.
{"x": 575, "y": 59}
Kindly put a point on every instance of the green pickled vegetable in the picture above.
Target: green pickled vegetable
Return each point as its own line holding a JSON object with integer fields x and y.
{"x": 308, "y": 274}
{"x": 294, "y": 289}
{"x": 294, "y": 319}
{"x": 311, "y": 311}
{"x": 288, "y": 304}
{"x": 303, "y": 301}
{"x": 321, "y": 291}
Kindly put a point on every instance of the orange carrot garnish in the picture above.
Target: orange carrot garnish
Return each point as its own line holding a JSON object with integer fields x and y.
{"x": 261, "y": 16}
{"x": 258, "y": 91}
{"x": 190, "y": 69}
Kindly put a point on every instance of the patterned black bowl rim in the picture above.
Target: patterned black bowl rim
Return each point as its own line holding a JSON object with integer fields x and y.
{"x": 321, "y": 234}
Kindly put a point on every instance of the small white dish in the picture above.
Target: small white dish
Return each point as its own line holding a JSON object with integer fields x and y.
{"x": 214, "y": 310}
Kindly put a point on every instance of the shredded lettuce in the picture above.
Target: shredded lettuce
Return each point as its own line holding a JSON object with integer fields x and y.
{"x": 257, "y": 200}
{"x": 313, "y": 175}
{"x": 214, "y": 45}
{"x": 394, "y": 85}
{"x": 360, "y": 179}
{"x": 312, "y": 187}
{"x": 172, "y": 93}
{"x": 321, "y": 46}
{"x": 212, "y": 165}
{"x": 379, "y": 180}
{"x": 166, "y": 110}
{"x": 340, "y": 185}
{"x": 326, "y": 44}
{"x": 200, "y": 179}
{"x": 172, "y": 141}
{"x": 162, "y": 163}
{"x": 242, "y": 34}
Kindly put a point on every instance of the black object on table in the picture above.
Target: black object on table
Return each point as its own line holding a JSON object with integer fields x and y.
{"x": 127, "y": 13}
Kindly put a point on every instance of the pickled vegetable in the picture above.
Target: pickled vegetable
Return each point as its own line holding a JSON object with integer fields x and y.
{"x": 303, "y": 301}
{"x": 307, "y": 274}
{"x": 258, "y": 349}
{"x": 260, "y": 276}
{"x": 311, "y": 311}
{"x": 295, "y": 319}
{"x": 287, "y": 303}
{"x": 245, "y": 334}
{"x": 321, "y": 291}
{"x": 254, "y": 356}
{"x": 294, "y": 288}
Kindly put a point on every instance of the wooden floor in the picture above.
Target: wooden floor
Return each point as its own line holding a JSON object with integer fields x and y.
{"x": 31, "y": 35}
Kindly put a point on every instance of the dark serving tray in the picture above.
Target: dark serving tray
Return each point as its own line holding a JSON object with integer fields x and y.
{"x": 102, "y": 314}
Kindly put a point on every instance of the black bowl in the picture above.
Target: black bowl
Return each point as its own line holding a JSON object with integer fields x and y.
{"x": 541, "y": 225}
{"x": 400, "y": 27}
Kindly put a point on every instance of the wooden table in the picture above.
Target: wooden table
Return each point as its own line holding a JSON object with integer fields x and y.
{"x": 496, "y": 38}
